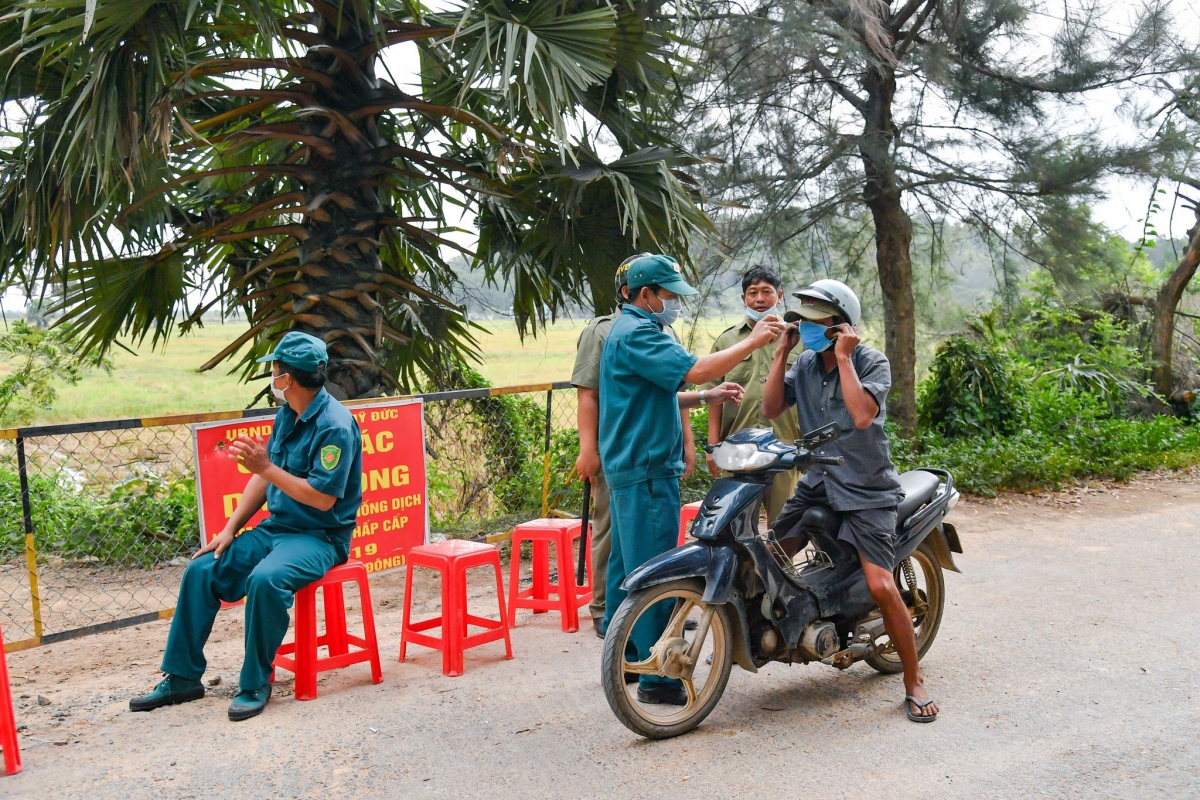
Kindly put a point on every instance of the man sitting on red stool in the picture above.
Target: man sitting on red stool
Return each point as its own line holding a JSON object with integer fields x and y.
{"x": 310, "y": 476}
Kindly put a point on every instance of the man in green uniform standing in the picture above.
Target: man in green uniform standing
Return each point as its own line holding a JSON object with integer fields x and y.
{"x": 586, "y": 379}
{"x": 641, "y": 443}
{"x": 310, "y": 476}
{"x": 761, "y": 296}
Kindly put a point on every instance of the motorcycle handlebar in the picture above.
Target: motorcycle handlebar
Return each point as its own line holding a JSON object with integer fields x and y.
{"x": 833, "y": 461}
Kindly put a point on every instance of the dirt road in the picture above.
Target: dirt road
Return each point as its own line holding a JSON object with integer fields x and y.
{"x": 1063, "y": 667}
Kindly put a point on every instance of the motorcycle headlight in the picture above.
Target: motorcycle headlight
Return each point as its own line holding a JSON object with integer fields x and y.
{"x": 742, "y": 457}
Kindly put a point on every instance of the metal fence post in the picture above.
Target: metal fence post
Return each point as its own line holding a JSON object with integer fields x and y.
{"x": 30, "y": 549}
{"x": 546, "y": 458}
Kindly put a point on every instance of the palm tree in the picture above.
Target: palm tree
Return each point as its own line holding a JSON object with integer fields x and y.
{"x": 258, "y": 154}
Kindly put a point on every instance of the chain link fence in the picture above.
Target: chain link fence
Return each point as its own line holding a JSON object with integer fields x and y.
{"x": 98, "y": 520}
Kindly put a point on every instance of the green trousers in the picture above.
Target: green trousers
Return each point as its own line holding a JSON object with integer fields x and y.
{"x": 645, "y": 523}
{"x": 601, "y": 545}
{"x": 265, "y": 568}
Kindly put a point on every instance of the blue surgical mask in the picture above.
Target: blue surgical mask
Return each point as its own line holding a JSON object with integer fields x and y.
{"x": 813, "y": 336}
{"x": 758, "y": 315}
{"x": 672, "y": 310}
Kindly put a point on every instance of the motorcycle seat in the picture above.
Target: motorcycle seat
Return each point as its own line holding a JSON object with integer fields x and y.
{"x": 919, "y": 487}
{"x": 820, "y": 518}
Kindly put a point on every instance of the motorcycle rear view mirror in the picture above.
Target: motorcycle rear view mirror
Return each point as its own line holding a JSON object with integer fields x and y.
{"x": 826, "y": 433}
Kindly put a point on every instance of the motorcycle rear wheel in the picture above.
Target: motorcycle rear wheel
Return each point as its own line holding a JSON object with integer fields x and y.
{"x": 666, "y": 721}
{"x": 931, "y": 582}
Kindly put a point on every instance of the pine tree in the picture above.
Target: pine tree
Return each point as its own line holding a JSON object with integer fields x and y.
{"x": 968, "y": 110}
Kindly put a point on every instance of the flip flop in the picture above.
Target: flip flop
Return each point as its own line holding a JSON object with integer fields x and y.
{"x": 908, "y": 698}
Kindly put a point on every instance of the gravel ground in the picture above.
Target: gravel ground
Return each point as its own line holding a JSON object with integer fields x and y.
{"x": 1061, "y": 668}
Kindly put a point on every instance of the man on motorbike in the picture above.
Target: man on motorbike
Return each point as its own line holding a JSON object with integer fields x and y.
{"x": 640, "y": 437}
{"x": 841, "y": 380}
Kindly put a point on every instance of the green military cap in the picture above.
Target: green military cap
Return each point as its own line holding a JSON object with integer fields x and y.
{"x": 299, "y": 350}
{"x": 661, "y": 270}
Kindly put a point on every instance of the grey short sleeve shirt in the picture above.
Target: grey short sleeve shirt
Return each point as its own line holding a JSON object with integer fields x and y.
{"x": 868, "y": 479}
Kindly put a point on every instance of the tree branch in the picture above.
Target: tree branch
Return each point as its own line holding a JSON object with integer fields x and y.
{"x": 847, "y": 95}
{"x": 901, "y": 16}
{"x": 910, "y": 37}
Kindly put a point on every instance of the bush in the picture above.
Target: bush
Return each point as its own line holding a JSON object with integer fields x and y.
{"x": 1046, "y": 397}
{"x": 1079, "y": 349}
{"x": 972, "y": 390}
{"x": 140, "y": 522}
{"x": 36, "y": 358}
{"x": 1072, "y": 436}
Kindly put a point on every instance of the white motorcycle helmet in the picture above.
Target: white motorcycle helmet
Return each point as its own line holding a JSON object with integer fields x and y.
{"x": 827, "y": 298}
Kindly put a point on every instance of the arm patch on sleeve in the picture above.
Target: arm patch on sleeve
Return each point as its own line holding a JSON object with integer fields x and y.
{"x": 331, "y": 454}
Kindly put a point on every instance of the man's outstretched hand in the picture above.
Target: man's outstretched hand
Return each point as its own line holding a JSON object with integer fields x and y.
{"x": 727, "y": 392}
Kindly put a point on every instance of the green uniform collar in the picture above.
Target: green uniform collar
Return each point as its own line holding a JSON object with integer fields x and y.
{"x": 316, "y": 406}
{"x": 630, "y": 308}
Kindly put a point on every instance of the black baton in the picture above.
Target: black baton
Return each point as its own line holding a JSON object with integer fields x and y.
{"x": 584, "y": 538}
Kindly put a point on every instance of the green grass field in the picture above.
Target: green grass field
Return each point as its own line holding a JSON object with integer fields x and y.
{"x": 153, "y": 383}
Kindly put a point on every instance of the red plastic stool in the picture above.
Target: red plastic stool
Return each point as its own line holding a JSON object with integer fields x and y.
{"x": 452, "y": 559}
{"x": 305, "y": 663}
{"x": 8, "y": 723}
{"x": 569, "y": 596}
{"x": 686, "y": 515}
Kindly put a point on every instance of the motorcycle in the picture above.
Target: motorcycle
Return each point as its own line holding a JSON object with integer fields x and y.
{"x": 751, "y": 597}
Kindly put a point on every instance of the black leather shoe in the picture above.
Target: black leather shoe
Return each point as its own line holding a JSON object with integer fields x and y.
{"x": 663, "y": 695}
{"x": 691, "y": 624}
{"x": 632, "y": 677}
{"x": 598, "y": 625}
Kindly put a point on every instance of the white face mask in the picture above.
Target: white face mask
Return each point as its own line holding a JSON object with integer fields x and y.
{"x": 672, "y": 310}
{"x": 758, "y": 315}
{"x": 276, "y": 391}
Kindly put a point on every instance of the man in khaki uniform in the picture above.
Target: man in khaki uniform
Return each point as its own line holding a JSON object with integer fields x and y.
{"x": 761, "y": 294}
{"x": 586, "y": 379}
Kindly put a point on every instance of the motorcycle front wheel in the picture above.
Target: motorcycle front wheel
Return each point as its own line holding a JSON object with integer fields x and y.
{"x": 926, "y": 599}
{"x": 700, "y": 658}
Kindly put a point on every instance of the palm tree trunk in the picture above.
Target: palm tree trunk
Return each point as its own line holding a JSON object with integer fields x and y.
{"x": 340, "y": 249}
{"x": 893, "y": 240}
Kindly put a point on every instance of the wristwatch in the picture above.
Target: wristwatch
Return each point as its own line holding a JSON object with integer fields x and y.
{"x": 703, "y": 399}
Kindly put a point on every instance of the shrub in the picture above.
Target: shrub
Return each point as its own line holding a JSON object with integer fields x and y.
{"x": 971, "y": 390}
{"x": 1075, "y": 444}
{"x": 1078, "y": 349}
{"x": 140, "y": 522}
{"x": 36, "y": 359}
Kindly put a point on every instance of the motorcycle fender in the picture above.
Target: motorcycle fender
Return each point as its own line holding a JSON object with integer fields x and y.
{"x": 952, "y": 537}
{"x": 717, "y": 565}
{"x": 690, "y": 561}
{"x": 941, "y": 547}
